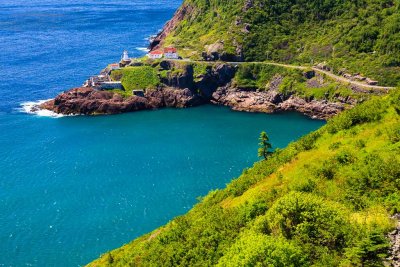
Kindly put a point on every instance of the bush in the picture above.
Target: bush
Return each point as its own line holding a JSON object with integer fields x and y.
{"x": 367, "y": 112}
{"x": 309, "y": 219}
{"x": 307, "y": 142}
{"x": 372, "y": 250}
{"x": 328, "y": 169}
{"x": 254, "y": 249}
{"x": 394, "y": 133}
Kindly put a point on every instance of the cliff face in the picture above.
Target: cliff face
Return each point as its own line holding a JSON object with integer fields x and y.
{"x": 89, "y": 101}
{"x": 185, "y": 10}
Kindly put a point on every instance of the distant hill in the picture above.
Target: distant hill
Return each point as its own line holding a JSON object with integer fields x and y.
{"x": 359, "y": 36}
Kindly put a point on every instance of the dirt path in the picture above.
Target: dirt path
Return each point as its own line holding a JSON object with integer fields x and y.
{"x": 330, "y": 74}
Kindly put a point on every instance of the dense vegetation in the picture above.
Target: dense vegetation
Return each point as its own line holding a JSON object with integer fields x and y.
{"x": 325, "y": 200}
{"x": 294, "y": 82}
{"x": 361, "y": 36}
{"x": 136, "y": 78}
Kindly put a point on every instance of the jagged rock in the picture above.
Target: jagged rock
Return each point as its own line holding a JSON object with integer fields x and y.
{"x": 247, "y": 5}
{"x": 246, "y": 28}
{"x": 217, "y": 77}
{"x": 89, "y": 101}
{"x": 250, "y": 101}
{"x": 213, "y": 51}
{"x": 318, "y": 109}
{"x": 180, "y": 80}
{"x": 238, "y": 21}
{"x": 180, "y": 98}
{"x": 273, "y": 101}
{"x": 309, "y": 74}
{"x": 394, "y": 237}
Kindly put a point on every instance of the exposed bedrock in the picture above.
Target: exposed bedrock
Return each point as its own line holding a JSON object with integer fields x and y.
{"x": 89, "y": 101}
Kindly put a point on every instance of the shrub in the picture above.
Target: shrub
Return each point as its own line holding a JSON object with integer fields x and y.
{"x": 254, "y": 249}
{"x": 307, "y": 142}
{"x": 309, "y": 219}
{"x": 372, "y": 250}
{"x": 328, "y": 169}
{"x": 366, "y": 112}
{"x": 345, "y": 157}
{"x": 394, "y": 133}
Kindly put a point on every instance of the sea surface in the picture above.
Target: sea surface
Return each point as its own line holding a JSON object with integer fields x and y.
{"x": 72, "y": 188}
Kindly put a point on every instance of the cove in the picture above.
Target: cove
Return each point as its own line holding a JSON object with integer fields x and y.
{"x": 75, "y": 187}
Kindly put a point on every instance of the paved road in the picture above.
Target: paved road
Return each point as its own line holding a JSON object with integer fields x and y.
{"x": 330, "y": 74}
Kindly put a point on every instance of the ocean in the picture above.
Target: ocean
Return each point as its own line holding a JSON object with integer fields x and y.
{"x": 72, "y": 188}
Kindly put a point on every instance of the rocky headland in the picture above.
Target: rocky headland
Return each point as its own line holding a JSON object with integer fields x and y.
{"x": 185, "y": 88}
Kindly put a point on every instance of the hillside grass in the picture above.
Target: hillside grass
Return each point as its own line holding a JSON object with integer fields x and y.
{"x": 136, "y": 78}
{"x": 359, "y": 36}
{"x": 324, "y": 200}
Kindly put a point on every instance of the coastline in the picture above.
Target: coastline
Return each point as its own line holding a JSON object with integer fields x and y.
{"x": 183, "y": 88}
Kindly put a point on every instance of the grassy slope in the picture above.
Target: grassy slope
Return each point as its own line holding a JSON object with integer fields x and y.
{"x": 362, "y": 36}
{"x": 136, "y": 78}
{"x": 325, "y": 200}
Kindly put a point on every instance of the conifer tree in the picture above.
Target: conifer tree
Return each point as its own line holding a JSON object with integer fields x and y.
{"x": 265, "y": 146}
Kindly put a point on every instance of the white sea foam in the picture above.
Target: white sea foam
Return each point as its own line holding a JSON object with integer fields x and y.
{"x": 32, "y": 107}
{"x": 144, "y": 49}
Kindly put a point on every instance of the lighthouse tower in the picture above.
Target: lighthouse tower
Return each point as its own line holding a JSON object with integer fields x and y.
{"x": 125, "y": 56}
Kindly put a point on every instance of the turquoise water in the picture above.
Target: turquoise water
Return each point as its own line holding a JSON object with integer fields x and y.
{"x": 72, "y": 188}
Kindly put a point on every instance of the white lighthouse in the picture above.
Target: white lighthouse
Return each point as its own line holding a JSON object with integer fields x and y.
{"x": 125, "y": 56}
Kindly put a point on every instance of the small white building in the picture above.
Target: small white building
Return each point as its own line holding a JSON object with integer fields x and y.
{"x": 125, "y": 56}
{"x": 156, "y": 54}
{"x": 171, "y": 53}
{"x": 110, "y": 85}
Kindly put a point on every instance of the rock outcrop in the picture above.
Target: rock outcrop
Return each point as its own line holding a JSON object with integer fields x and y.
{"x": 394, "y": 258}
{"x": 272, "y": 101}
{"x": 89, "y": 101}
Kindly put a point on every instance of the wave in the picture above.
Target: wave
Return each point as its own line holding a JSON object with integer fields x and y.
{"x": 32, "y": 107}
{"x": 143, "y": 49}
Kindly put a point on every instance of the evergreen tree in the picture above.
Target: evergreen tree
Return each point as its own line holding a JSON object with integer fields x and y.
{"x": 265, "y": 146}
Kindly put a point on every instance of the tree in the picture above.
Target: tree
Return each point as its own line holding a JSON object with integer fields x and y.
{"x": 265, "y": 146}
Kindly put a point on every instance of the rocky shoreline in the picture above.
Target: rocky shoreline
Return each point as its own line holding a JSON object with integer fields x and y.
{"x": 183, "y": 90}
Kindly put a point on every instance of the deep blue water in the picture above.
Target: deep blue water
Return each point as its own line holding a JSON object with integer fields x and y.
{"x": 72, "y": 188}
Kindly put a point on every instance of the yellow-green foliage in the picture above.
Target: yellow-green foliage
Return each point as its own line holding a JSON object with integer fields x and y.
{"x": 137, "y": 78}
{"x": 260, "y": 75}
{"x": 325, "y": 200}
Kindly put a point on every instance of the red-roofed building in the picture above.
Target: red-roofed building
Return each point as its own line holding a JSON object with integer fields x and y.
{"x": 156, "y": 54}
{"x": 171, "y": 52}
{"x": 114, "y": 66}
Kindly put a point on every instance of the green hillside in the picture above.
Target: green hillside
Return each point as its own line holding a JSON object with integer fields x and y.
{"x": 361, "y": 36}
{"x": 325, "y": 200}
